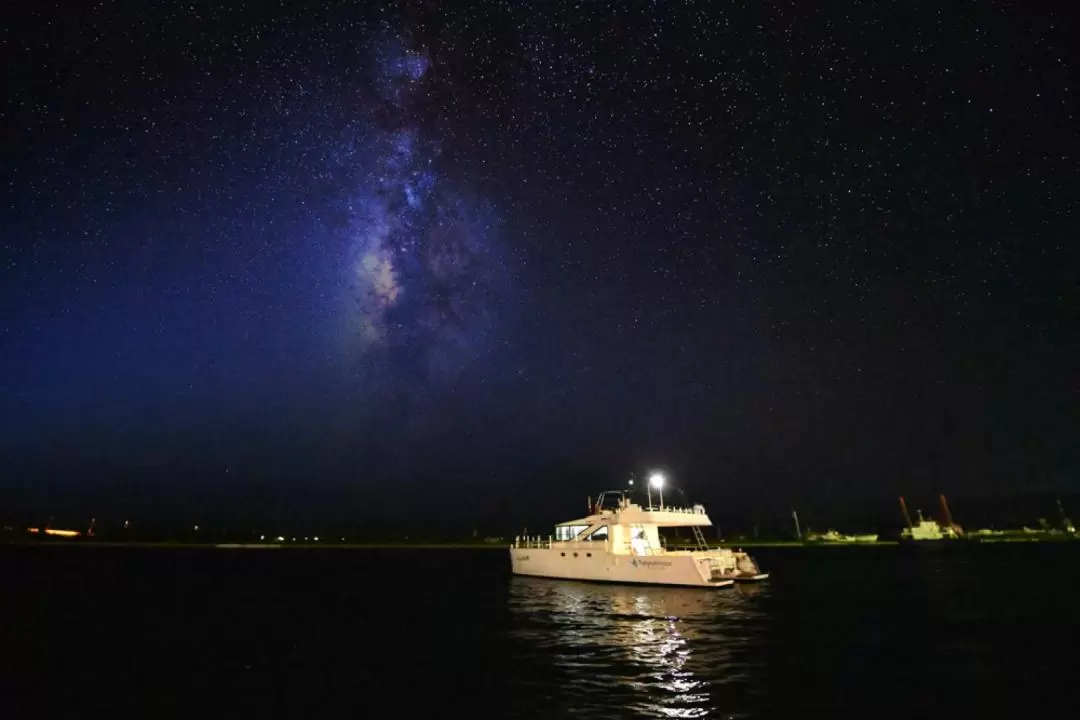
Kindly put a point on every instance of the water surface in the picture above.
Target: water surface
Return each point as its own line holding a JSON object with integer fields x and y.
{"x": 836, "y": 632}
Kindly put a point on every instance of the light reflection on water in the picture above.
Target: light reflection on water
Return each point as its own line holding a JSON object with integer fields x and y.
{"x": 655, "y": 651}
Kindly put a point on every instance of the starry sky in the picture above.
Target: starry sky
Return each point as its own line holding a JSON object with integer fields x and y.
{"x": 774, "y": 248}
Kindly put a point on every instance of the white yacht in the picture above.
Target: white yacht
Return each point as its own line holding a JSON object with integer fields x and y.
{"x": 619, "y": 541}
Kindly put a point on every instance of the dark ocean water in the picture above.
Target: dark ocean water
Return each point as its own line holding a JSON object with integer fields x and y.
{"x": 988, "y": 631}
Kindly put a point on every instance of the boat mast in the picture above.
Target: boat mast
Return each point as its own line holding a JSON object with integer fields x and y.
{"x": 798, "y": 531}
{"x": 1066, "y": 523}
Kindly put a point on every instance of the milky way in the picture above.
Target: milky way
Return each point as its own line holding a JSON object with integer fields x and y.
{"x": 423, "y": 267}
{"x": 788, "y": 246}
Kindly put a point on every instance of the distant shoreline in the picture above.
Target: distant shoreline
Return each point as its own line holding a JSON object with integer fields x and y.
{"x": 177, "y": 545}
{"x": 166, "y": 544}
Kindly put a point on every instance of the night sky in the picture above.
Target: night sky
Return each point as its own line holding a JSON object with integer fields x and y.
{"x": 526, "y": 249}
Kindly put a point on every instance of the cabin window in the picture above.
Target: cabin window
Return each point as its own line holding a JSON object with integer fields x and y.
{"x": 599, "y": 534}
{"x": 569, "y": 532}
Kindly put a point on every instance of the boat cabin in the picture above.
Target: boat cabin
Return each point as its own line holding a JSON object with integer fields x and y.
{"x": 625, "y": 527}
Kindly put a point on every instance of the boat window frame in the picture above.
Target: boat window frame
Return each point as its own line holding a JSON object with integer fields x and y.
{"x": 592, "y": 536}
{"x": 569, "y": 533}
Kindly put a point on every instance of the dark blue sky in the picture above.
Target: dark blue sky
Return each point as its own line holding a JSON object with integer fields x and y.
{"x": 777, "y": 249}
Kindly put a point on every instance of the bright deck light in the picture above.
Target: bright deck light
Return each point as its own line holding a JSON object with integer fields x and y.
{"x": 657, "y": 481}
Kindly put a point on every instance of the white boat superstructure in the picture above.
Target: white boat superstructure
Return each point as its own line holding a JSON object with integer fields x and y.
{"x": 928, "y": 530}
{"x": 622, "y": 544}
{"x": 832, "y": 536}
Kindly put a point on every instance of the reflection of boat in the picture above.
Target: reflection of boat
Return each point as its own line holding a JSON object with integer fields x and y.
{"x": 833, "y": 536}
{"x": 622, "y": 544}
{"x": 654, "y": 650}
{"x": 614, "y": 610}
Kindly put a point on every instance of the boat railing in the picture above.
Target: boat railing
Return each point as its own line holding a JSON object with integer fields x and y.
{"x": 535, "y": 542}
{"x": 695, "y": 510}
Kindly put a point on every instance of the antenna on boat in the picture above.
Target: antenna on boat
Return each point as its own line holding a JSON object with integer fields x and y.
{"x": 798, "y": 531}
{"x": 656, "y": 480}
{"x": 1066, "y": 523}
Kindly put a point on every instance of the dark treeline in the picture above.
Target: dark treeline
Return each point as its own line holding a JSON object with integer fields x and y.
{"x": 459, "y": 511}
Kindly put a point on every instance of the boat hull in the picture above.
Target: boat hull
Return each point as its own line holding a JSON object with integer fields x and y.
{"x": 599, "y": 566}
{"x": 646, "y": 583}
{"x": 750, "y": 578}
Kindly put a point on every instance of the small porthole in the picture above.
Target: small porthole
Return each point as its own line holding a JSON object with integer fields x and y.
{"x": 588, "y": 554}
{"x": 575, "y": 554}
{"x": 563, "y": 554}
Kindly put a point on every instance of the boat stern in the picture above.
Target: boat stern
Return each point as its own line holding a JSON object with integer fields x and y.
{"x": 735, "y": 566}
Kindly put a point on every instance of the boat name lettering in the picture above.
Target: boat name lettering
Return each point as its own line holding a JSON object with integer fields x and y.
{"x": 650, "y": 563}
{"x": 521, "y": 558}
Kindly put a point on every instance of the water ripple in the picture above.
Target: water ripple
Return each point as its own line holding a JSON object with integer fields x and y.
{"x": 655, "y": 652}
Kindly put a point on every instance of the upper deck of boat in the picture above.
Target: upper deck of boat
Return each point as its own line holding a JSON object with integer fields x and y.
{"x": 632, "y": 514}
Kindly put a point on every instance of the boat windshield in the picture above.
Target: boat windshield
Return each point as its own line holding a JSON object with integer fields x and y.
{"x": 569, "y": 532}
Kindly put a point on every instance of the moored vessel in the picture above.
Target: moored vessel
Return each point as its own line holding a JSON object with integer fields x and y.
{"x": 929, "y": 530}
{"x": 833, "y": 537}
{"x": 619, "y": 541}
